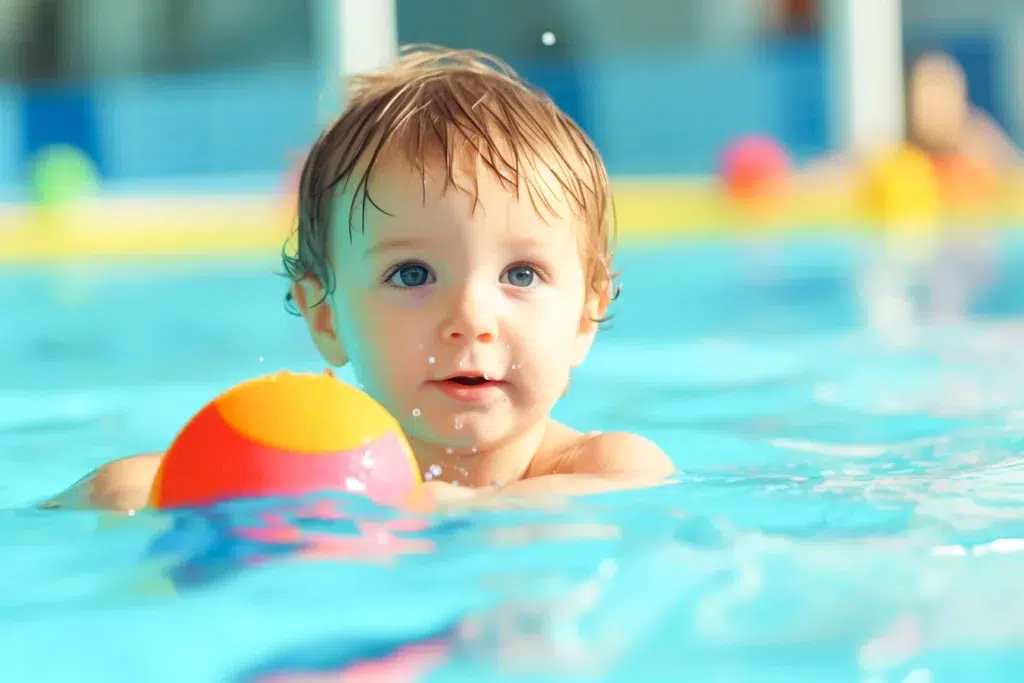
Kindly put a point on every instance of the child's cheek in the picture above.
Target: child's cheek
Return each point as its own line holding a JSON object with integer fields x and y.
{"x": 398, "y": 343}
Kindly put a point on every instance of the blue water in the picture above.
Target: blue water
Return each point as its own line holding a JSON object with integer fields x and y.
{"x": 846, "y": 509}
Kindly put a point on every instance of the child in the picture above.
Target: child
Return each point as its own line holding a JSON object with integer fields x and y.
{"x": 454, "y": 246}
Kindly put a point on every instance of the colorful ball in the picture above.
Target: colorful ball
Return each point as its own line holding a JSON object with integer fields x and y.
{"x": 287, "y": 435}
{"x": 63, "y": 175}
{"x": 967, "y": 184}
{"x": 902, "y": 190}
{"x": 755, "y": 167}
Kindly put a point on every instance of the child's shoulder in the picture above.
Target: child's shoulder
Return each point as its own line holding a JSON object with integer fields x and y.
{"x": 567, "y": 451}
{"x": 121, "y": 485}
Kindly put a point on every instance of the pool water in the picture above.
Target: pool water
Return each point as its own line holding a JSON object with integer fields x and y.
{"x": 847, "y": 508}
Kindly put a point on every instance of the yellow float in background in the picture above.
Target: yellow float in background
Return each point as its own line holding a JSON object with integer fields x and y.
{"x": 901, "y": 191}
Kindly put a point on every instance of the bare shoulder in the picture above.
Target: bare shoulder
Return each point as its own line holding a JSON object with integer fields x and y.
{"x": 601, "y": 453}
{"x": 622, "y": 453}
{"x": 121, "y": 485}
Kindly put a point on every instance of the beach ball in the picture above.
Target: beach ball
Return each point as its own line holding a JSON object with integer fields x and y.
{"x": 63, "y": 175}
{"x": 967, "y": 184}
{"x": 902, "y": 189}
{"x": 287, "y": 435}
{"x": 755, "y": 167}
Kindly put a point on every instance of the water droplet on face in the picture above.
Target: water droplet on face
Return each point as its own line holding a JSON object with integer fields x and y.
{"x": 474, "y": 449}
{"x": 431, "y": 360}
{"x": 462, "y": 363}
{"x": 415, "y": 412}
{"x": 458, "y": 423}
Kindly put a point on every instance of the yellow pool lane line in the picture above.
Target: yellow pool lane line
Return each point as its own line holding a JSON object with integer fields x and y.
{"x": 646, "y": 210}
{"x": 145, "y": 228}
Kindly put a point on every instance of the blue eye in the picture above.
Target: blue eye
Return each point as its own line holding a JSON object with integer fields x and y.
{"x": 410, "y": 275}
{"x": 520, "y": 276}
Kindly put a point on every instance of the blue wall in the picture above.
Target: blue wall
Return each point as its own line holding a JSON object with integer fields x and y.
{"x": 673, "y": 113}
{"x": 10, "y": 139}
{"x": 239, "y": 123}
{"x": 653, "y": 112}
{"x": 664, "y": 112}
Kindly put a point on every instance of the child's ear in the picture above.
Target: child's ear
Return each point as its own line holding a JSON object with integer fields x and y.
{"x": 312, "y": 302}
{"x": 594, "y": 310}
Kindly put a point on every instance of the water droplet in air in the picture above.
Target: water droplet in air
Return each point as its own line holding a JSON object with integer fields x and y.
{"x": 427, "y": 476}
{"x": 259, "y": 359}
{"x": 435, "y": 470}
{"x": 368, "y": 459}
{"x": 415, "y": 412}
{"x": 449, "y": 451}
{"x": 547, "y": 38}
{"x": 474, "y": 449}
{"x": 462, "y": 363}
{"x": 353, "y": 484}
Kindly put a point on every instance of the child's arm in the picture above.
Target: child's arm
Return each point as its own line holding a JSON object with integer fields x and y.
{"x": 604, "y": 463}
{"x": 121, "y": 485}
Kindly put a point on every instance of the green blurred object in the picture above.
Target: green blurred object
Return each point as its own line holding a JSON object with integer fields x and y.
{"x": 63, "y": 175}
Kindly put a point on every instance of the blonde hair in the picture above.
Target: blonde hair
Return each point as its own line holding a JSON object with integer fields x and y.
{"x": 444, "y": 105}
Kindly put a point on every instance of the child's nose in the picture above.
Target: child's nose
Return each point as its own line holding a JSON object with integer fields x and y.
{"x": 470, "y": 319}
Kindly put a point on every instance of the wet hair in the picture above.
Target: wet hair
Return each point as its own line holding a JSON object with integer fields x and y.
{"x": 438, "y": 108}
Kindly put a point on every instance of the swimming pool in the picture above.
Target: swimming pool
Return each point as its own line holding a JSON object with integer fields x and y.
{"x": 846, "y": 510}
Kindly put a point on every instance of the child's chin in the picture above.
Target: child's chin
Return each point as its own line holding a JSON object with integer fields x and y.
{"x": 468, "y": 435}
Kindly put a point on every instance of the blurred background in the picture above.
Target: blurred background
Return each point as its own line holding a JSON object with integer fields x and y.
{"x": 778, "y": 108}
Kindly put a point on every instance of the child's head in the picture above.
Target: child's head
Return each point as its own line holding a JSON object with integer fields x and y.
{"x": 937, "y": 101}
{"x": 453, "y": 223}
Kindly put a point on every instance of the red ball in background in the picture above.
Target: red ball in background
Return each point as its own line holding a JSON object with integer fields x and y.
{"x": 755, "y": 167}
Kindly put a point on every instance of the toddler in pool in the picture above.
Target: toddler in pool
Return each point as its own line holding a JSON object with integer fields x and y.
{"x": 455, "y": 247}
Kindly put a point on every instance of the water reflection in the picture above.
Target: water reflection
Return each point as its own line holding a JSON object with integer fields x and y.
{"x": 204, "y": 545}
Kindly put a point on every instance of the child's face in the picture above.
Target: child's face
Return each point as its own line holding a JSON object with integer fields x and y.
{"x": 463, "y": 321}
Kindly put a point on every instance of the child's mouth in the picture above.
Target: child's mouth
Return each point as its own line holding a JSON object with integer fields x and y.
{"x": 468, "y": 381}
{"x": 468, "y": 388}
